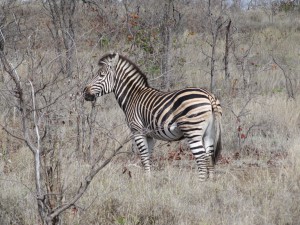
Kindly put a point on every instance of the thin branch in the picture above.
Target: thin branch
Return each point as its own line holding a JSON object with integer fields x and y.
{"x": 84, "y": 185}
{"x": 288, "y": 82}
{"x": 226, "y": 54}
{"x": 37, "y": 152}
{"x": 35, "y": 120}
{"x": 15, "y": 77}
{"x": 11, "y": 134}
{"x": 251, "y": 127}
{"x": 127, "y": 23}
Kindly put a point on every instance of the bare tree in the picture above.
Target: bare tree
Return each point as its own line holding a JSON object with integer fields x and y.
{"x": 31, "y": 118}
{"x": 242, "y": 61}
{"x": 62, "y": 31}
{"x": 39, "y": 101}
{"x": 216, "y": 20}
{"x": 151, "y": 26}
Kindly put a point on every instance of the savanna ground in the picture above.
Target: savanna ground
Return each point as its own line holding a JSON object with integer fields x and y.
{"x": 257, "y": 176}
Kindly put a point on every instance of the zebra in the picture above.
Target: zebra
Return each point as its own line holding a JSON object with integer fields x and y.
{"x": 190, "y": 113}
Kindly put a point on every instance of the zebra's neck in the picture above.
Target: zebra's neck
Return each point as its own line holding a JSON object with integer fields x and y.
{"x": 129, "y": 81}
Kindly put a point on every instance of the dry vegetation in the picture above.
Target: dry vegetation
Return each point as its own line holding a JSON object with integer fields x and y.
{"x": 258, "y": 175}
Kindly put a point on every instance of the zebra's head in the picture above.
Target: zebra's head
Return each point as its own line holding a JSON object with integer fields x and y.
{"x": 103, "y": 83}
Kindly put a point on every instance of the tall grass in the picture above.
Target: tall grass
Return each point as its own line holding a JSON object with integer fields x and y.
{"x": 241, "y": 194}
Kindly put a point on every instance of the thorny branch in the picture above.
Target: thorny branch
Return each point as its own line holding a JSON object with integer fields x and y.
{"x": 288, "y": 82}
{"x": 85, "y": 183}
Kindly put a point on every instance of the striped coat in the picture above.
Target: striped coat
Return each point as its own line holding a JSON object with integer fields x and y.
{"x": 191, "y": 113}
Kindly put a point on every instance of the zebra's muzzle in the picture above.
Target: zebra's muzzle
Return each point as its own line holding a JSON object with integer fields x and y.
{"x": 87, "y": 94}
{"x": 89, "y": 97}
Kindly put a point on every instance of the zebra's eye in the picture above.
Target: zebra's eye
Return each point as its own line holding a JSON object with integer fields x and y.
{"x": 101, "y": 75}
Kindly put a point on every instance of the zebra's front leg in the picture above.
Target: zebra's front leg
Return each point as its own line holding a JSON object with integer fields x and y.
{"x": 142, "y": 144}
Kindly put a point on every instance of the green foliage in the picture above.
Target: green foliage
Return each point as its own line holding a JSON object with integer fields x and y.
{"x": 287, "y": 6}
{"x": 143, "y": 40}
{"x": 104, "y": 42}
{"x": 181, "y": 61}
{"x": 143, "y": 37}
{"x": 154, "y": 69}
{"x": 277, "y": 90}
{"x": 121, "y": 220}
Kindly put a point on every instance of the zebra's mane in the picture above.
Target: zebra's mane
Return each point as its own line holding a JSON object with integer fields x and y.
{"x": 111, "y": 55}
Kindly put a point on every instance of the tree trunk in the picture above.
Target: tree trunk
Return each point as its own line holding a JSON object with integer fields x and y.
{"x": 226, "y": 56}
{"x": 165, "y": 35}
{"x": 212, "y": 63}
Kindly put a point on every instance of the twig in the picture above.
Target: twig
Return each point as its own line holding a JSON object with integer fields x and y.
{"x": 288, "y": 82}
{"x": 84, "y": 184}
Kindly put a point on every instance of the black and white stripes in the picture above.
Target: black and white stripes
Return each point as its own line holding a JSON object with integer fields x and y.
{"x": 191, "y": 113}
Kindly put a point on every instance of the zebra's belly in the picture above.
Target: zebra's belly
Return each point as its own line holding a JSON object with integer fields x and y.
{"x": 167, "y": 133}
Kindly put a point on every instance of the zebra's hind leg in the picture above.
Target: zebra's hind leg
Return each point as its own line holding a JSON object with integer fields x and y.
{"x": 196, "y": 146}
{"x": 151, "y": 143}
{"x": 194, "y": 132}
{"x": 209, "y": 149}
{"x": 142, "y": 144}
{"x": 208, "y": 138}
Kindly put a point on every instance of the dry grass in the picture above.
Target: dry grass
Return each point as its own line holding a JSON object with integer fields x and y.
{"x": 241, "y": 194}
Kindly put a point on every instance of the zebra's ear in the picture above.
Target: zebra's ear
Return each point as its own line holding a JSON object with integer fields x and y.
{"x": 115, "y": 59}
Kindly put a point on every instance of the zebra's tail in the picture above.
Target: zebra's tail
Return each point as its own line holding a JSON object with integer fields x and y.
{"x": 217, "y": 111}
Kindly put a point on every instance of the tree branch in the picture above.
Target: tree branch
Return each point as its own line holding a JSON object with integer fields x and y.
{"x": 84, "y": 184}
{"x": 11, "y": 134}
{"x": 288, "y": 82}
